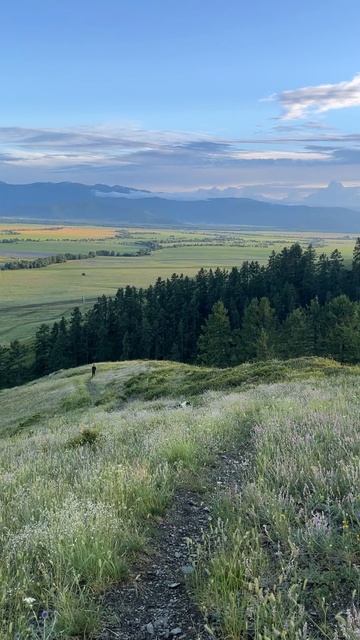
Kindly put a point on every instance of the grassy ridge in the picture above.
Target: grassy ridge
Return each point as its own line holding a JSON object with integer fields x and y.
{"x": 173, "y": 379}
{"x": 87, "y": 466}
{"x": 117, "y": 383}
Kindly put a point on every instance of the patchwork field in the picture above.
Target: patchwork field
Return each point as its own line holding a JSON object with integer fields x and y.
{"x": 29, "y": 297}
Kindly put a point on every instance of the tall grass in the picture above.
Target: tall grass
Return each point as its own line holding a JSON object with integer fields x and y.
{"x": 78, "y": 500}
{"x": 81, "y": 489}
{"x": 283, "y": 558}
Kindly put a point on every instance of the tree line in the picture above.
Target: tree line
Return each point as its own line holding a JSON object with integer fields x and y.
{"x": 45, "y": 261}
{"x": 297, "y": 304}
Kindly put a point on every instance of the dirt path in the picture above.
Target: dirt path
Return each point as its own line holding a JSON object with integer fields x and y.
{"x": 156, "y": 602}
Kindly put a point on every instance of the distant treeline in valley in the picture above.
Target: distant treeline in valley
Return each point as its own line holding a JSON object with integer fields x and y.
{"x": 45, "y": 261}
{"x": 296, "y": 305}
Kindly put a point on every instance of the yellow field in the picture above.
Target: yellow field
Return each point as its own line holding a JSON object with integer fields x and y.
{"x": 55, "y": 232}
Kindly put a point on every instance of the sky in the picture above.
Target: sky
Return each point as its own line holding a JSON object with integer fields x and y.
{"x": 170, "y": 96}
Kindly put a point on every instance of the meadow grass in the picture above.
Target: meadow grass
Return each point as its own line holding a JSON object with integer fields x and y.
{"x": 80, "y": 492}
{"x": 282, "y": 560}
{"x": 88, "y": 466}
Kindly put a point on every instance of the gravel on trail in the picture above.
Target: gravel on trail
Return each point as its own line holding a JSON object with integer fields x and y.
{"x": 156, "y": 602}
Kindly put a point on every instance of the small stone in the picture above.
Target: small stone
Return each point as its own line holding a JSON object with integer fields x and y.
{"x": 177, "y": 631}
{"x": 177, "y": 554}
{"x": 187, "y": 569}
{"x": 207, "y": 509}
{"x": 174, "y": 585}
{"x": 160, "y": 622}
{"x": 150, "y": 629}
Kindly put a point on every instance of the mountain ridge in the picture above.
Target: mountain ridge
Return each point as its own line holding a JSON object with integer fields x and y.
{"x": 76, "y": 202}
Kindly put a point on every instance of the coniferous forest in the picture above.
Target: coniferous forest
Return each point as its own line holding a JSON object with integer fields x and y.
{"x": 299, "y": 304}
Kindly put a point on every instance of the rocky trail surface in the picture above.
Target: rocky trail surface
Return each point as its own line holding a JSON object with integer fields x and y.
{"x": 156, "y": 602}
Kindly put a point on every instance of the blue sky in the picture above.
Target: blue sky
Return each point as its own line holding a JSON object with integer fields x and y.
{"x": 178, "y": 95}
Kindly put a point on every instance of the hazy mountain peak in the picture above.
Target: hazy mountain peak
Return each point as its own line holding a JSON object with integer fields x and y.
{"x": 335, "y": 194}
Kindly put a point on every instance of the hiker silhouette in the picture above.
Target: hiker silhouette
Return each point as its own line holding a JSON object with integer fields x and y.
{"x": 93, "y": 370}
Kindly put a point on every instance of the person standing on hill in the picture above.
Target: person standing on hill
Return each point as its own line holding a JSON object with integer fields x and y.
{"x": 93, "y": 371}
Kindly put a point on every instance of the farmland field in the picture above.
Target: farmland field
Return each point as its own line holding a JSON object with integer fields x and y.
{"x": 32, "y": 296}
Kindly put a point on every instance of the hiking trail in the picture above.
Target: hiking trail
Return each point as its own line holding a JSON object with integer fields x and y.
{"x": 156, "y": 601}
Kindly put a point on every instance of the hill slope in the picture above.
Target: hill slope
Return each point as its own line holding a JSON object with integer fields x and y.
{"x": 89, "y": 466}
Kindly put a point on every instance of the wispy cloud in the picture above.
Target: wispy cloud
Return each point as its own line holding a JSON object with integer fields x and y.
{"x": 305, "y": 156}
{"x": 158, "y": 160}
{"x": 299, "y": 103}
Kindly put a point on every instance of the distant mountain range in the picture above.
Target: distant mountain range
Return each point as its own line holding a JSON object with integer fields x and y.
{"x": 73, "y": 202}
{"x": 335, "y": 195}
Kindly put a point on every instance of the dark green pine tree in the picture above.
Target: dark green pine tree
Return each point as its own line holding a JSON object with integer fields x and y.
{"x": 175, "y": 353}
{"x": 215, "y": 341}
{"x": 315, "y": 313}
{"x": 60, "y": 357}
{"x": 308, "y": 276}
{"x": 4, "y": 366}
{"x": 356, "y": 270}
{"x": 323, "y": 286}
{"x": 126, "y": 346}
{"x": 336, "y": 273}
{"x": 296, "y": 337}
{"x": 258, "y": 328}
{"x": 264, "y": 350}
{"x": 146, "y": 339}
{"x": 77, "y": 344}
{"x": 342, "y": 336}
{"x": 42, "y": 350}
{"x": 17, "y": 369}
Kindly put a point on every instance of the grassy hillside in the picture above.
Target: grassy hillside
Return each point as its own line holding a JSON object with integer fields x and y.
{"x": 87, "y": 467}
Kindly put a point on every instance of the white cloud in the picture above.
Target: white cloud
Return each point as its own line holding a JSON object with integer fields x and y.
{"x": 173, "y": 160}
{"x": 54, "y": 159}
{"x": 280, "y": 155}
{"x": 298, "y": 103}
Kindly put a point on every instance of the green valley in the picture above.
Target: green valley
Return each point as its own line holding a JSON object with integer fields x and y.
{"x": 35, "y": 295}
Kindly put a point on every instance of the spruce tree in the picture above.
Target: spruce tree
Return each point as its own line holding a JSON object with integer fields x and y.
{"x": 16, "y": 370}
{"x": 76, "y": 339}
{"x": 308, "y": 276}
{"x": 356, "y": 270}
{"x": 126, "y": 347}
{"x": 42, "y": 350}
{"x": 215, "y": 341}
{"x": 4, "y": 366}
{"x": 264, "y": 350}
{"x": 342, "y": 337}
{"x": 258, "y": 316}
{"x": 316, "y": 326}
{"x": 60, "y": 357}
{"x": 336, "y": 273}
{"x": 296, "y": 337}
